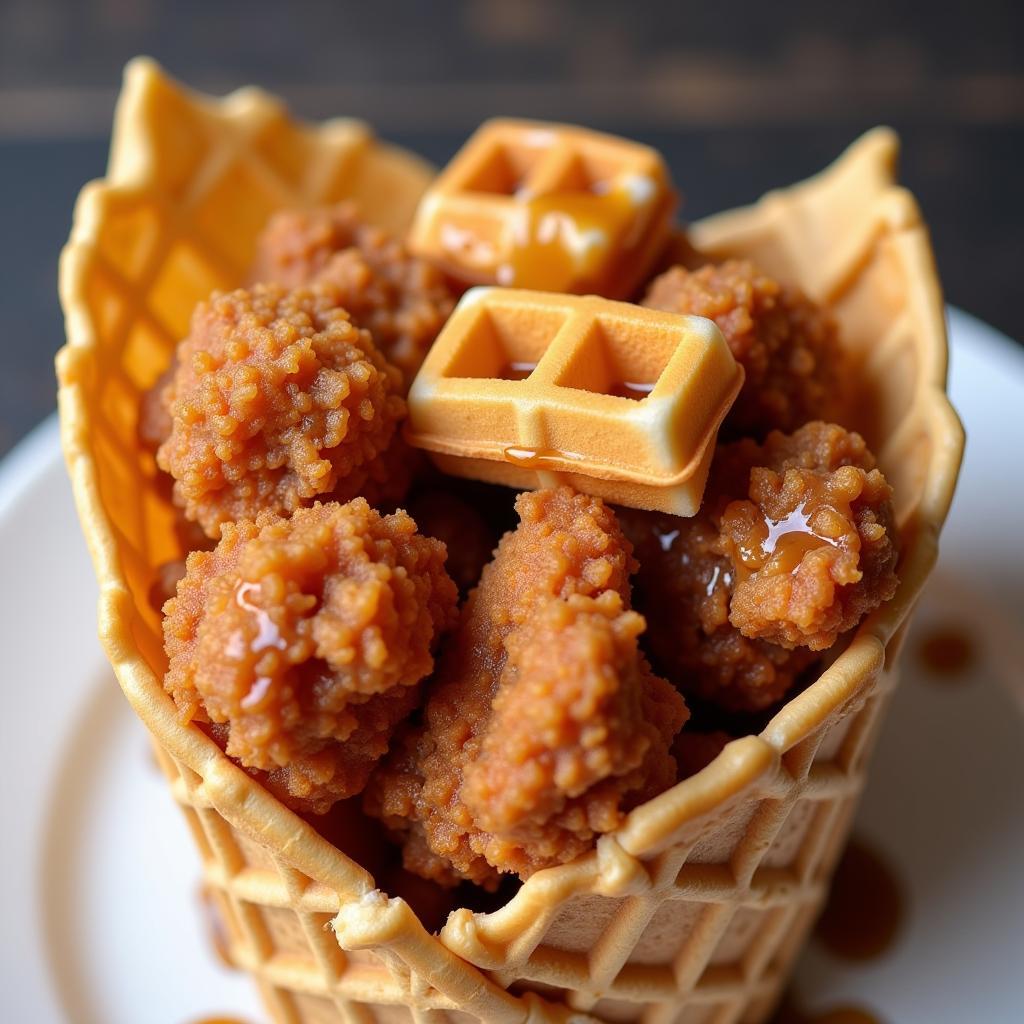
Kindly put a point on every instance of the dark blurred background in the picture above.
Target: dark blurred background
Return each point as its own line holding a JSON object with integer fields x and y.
{"x": 741, "y": 97}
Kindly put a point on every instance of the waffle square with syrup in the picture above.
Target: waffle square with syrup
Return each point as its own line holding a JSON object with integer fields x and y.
{"x": 529, "y": 204}
{"x": 532, "y": 389}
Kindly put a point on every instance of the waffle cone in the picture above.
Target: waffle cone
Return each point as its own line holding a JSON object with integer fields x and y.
{"x": 694, "y": 910}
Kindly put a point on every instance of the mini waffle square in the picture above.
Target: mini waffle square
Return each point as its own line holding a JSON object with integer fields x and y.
{"x": 536, "y": 205}
{"x": 532, "y": 389}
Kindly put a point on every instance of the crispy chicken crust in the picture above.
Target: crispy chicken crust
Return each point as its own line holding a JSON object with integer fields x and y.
{"x": 814, "y": 547}
{"x": 277, "y": 399}
{"x": 787, "y": 345}
{"x": 794, "y": 544}
{"x": 307, "y": 638}
{"x": 544, "y": 723}
{"x": 403, "y": 301}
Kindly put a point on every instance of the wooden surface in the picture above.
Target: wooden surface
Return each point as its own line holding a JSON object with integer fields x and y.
{"x": 739, "y": 96}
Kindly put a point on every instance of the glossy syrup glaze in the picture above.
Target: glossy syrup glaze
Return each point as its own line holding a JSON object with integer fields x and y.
{"x": 531, "y": 457}
{"x": 565, "y": 237}
{"x": 517, "y": 370}
{"x": 635, "y": 390}
{"x": 778, "y": 545}
{"x": 791, "y": 1013}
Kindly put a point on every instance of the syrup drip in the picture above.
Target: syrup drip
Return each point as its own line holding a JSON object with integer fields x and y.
{"x": 947, "y": 652}
{"x": 666, "y": 538}
{"x": 267, "y": 635}
{"x": 790, "y": 1013}
{"x": 530, "y": 457}
{"x": 865, "y": 907}
{"x": 517, "y": 370}
{"x": 267, "y": 638}
{"x": 630, "y": 389}
{"x": 562, "y": 238}
{"x": 861, "y": 920}
{"x": 782, "y": 543}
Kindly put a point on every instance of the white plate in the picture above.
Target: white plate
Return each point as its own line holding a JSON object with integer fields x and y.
{"x": 101, "y": 922}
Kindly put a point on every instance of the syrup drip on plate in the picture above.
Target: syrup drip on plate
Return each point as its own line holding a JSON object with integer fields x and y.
{"x": 865, "y": 908}
{"x": 861, "y": 920}
{"x": 947, "y": 652}
{"x": 790, "y": 1013}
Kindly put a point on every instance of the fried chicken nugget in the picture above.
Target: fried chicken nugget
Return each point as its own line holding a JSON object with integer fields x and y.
{"x": 544, "y": 723}
{"x": 277, "y": 399}
{"x": 787, "y": 344}
{"x": 579, "y": 724}
{"x": 814, "y": 547}
{"x": 402, "y": 300}
{"x": 684, "y": 588}
{"x": 794, "y": 544}
{"x": 306, "y": 637}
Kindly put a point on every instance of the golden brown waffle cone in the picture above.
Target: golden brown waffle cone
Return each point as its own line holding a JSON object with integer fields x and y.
{"x": 694, "y": 910}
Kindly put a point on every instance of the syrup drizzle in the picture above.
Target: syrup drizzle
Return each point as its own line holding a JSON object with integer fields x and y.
{"x": 564, "y": 237}
{"x": 947, "y": 652}
{"x": 517, "y": 370}
{"x": 530, "y": 457}
{"x": 790, "y": 1013}
{"x": 631, "y": 389}
{"x": 268, "y": 637}
{"x": 865, "y": 908}
{"x": 783, "y": 544}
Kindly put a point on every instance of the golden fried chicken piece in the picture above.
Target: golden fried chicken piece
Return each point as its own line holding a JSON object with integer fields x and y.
{"x": 786, "y": 344}
{"x": 683, "y": 588}
{"x": 814, "y": 549}
{"x": 576, "y": 724}
{"x": 296, "y": 245}
{"x": 544, "y": 723}
{"x": 307, "y": 637}
{"x": 401, "y": 300}
{"x": 277, "y": 400}
{"x": 794, "y": 544}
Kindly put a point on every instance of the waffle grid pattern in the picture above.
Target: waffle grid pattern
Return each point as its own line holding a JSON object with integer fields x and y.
{"x": 745, "y": 907}
{"x": 562, "y": 419}
{"x": 469, "y": 217}
{"x": 694, "y": 910}
{"x": 277, "y": 923}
